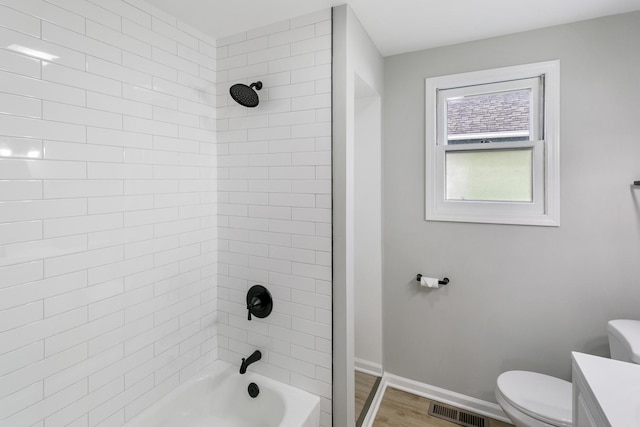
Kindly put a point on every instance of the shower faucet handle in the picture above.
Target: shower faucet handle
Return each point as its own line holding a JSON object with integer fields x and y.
{"x": 255, "y": 302}
{"x": 259, "y": 302}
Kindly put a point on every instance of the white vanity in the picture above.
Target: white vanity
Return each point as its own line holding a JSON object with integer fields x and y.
{"x": 606, "y": 392}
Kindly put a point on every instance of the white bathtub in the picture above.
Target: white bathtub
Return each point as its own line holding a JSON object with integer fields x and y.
{"x": 220, "y": 399}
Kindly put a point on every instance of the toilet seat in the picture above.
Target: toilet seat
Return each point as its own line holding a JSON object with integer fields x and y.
{"x": 539, "y": 396}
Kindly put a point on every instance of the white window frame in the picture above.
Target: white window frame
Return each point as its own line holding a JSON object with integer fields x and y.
{"x": 544, "y": 210}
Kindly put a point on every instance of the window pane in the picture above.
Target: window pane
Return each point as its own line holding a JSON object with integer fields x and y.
{"x": 492, "y": 117}
{"x": 490, "y": 175}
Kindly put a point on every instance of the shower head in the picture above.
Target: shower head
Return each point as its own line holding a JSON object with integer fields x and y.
{"x": 245, "y": 95}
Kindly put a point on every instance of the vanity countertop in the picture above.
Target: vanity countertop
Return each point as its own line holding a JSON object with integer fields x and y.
{"x": 615, "y": 385}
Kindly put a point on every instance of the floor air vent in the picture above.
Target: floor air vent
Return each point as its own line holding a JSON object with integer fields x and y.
{"x": 457, "y": 416}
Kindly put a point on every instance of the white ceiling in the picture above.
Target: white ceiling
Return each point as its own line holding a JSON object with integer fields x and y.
{"x": 398, "y": 26}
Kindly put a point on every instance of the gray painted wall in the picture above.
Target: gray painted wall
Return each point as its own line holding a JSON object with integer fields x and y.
{"x": 521, "y": 297}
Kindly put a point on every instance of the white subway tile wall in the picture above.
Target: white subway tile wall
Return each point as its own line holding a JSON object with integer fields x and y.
{"x": 274, "y": 193}
{"x": 108, "y": 195}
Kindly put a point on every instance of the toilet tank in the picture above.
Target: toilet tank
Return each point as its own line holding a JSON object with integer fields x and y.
{"x": 624, "y": 340}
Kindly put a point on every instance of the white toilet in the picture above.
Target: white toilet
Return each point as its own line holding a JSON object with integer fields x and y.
{"x": 536, "y": 400}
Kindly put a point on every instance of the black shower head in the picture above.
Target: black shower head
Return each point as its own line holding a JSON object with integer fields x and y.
{"x": 245, "y": 95}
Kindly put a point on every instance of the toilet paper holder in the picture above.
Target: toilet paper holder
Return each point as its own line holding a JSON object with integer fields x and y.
{"x": 443, "y": 282}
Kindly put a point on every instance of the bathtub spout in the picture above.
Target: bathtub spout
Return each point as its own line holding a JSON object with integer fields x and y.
{"x": 255, "y": 356}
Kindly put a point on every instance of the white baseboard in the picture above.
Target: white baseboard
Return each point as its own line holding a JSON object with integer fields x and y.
{"x": 481, "y": 407}
{"x": 367, "y": 367}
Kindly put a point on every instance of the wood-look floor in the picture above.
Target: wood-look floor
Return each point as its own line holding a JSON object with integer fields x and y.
{"x": 402, "y": 409}
{"x": 364, "y": 386}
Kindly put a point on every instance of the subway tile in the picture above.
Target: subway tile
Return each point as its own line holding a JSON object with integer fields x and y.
{"x": 151, "y": 127}
{"x": 69, "y": 413}
{"x": 128, "y": 11}
{"x": 16, "y": 232}
{"x": 175, "y": 89}
{"x": 322, "y": 186}
{"x": 117, "y": 72}
{"x": 18, "y": 21}
{"x": 24, "y": 356}
{"x": 26, "y": 148}
{"x": 82, "y": 152}
{"x": 24, "y": 335}
{"x": 82, "y": 297}
{"x": 83, "y": 260}
{"x": 141, "y": 33}
{"x": 18, "y": 274}
{"x": 35, "y": 128}
{"x": 292, "y": 118}
{"x": 48, "y": 12}
{"x": 41, "y": 49}
{"x": 311, "y": 102}
{"x": 36, "y": 88}
{"x": 101, "y": 377}
{"x": 80, "y": 79}
{"x": 155, "y": 12}
{"x": 197, "y": 57}
{"x": 63, "y": 189}
{"x": 119, "y": 269}
{"x": 292, "y": 145}
{"x": 171, "y": 116}
{"x": 147, "y": 66}
{"x": 81, "y": 333}
{"x": 170, "y": 31}
{"x": 81, "y": 225}
{"x": 41, "y": 169}
{"x": 117, "y": 39}
{"x": 19, "y": 316}
{"x": 48, "y": 405}
{"x": 20, "y": 64}
{"x": 312, "y": 214}
{"x": 64, "y": 378}
{"x": 316, "y": 73}
{"x": 91, "y": 12}
{"x": 323, "y": 57}
{"x": 41, "y": 209}
{"x": 104, "y": 136}
{"x": 172, "y": 60}
{"x": 291, "y": 63}
{"x": 17, "y": 190}
{"x": 291, "y": 199}
{"x": 20, "y": 105}
{"x": 323, "y": 28}
{"x": 80, "y": 42}
{"x": 268, "y": 54}
{"x": 118, "y": 105}
{"x": 311, "y": 130}
{"x": 311, "y": 45}
{"x": 21, "y": 399}
{"x": 41, "y": 369}
{"x": 292, "y": 172}
{"x": 312, "y": 242}
{"x": 80, "y": 115}
{"x": 118, "y": 171}
{"x": 119, "y": 236}
{"x": 293, "y": 35}
{"x": 293, "y": 227}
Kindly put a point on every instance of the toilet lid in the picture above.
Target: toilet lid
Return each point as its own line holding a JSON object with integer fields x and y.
{"x": 540, "y": 396}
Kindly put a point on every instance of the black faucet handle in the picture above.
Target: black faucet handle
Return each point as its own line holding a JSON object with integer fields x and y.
{"x": 259, "y": 302}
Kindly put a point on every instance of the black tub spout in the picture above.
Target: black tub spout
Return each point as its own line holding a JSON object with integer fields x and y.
{"x": 255, "y": 356}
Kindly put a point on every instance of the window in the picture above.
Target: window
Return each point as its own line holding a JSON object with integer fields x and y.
{"x": 492, "y": 146}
